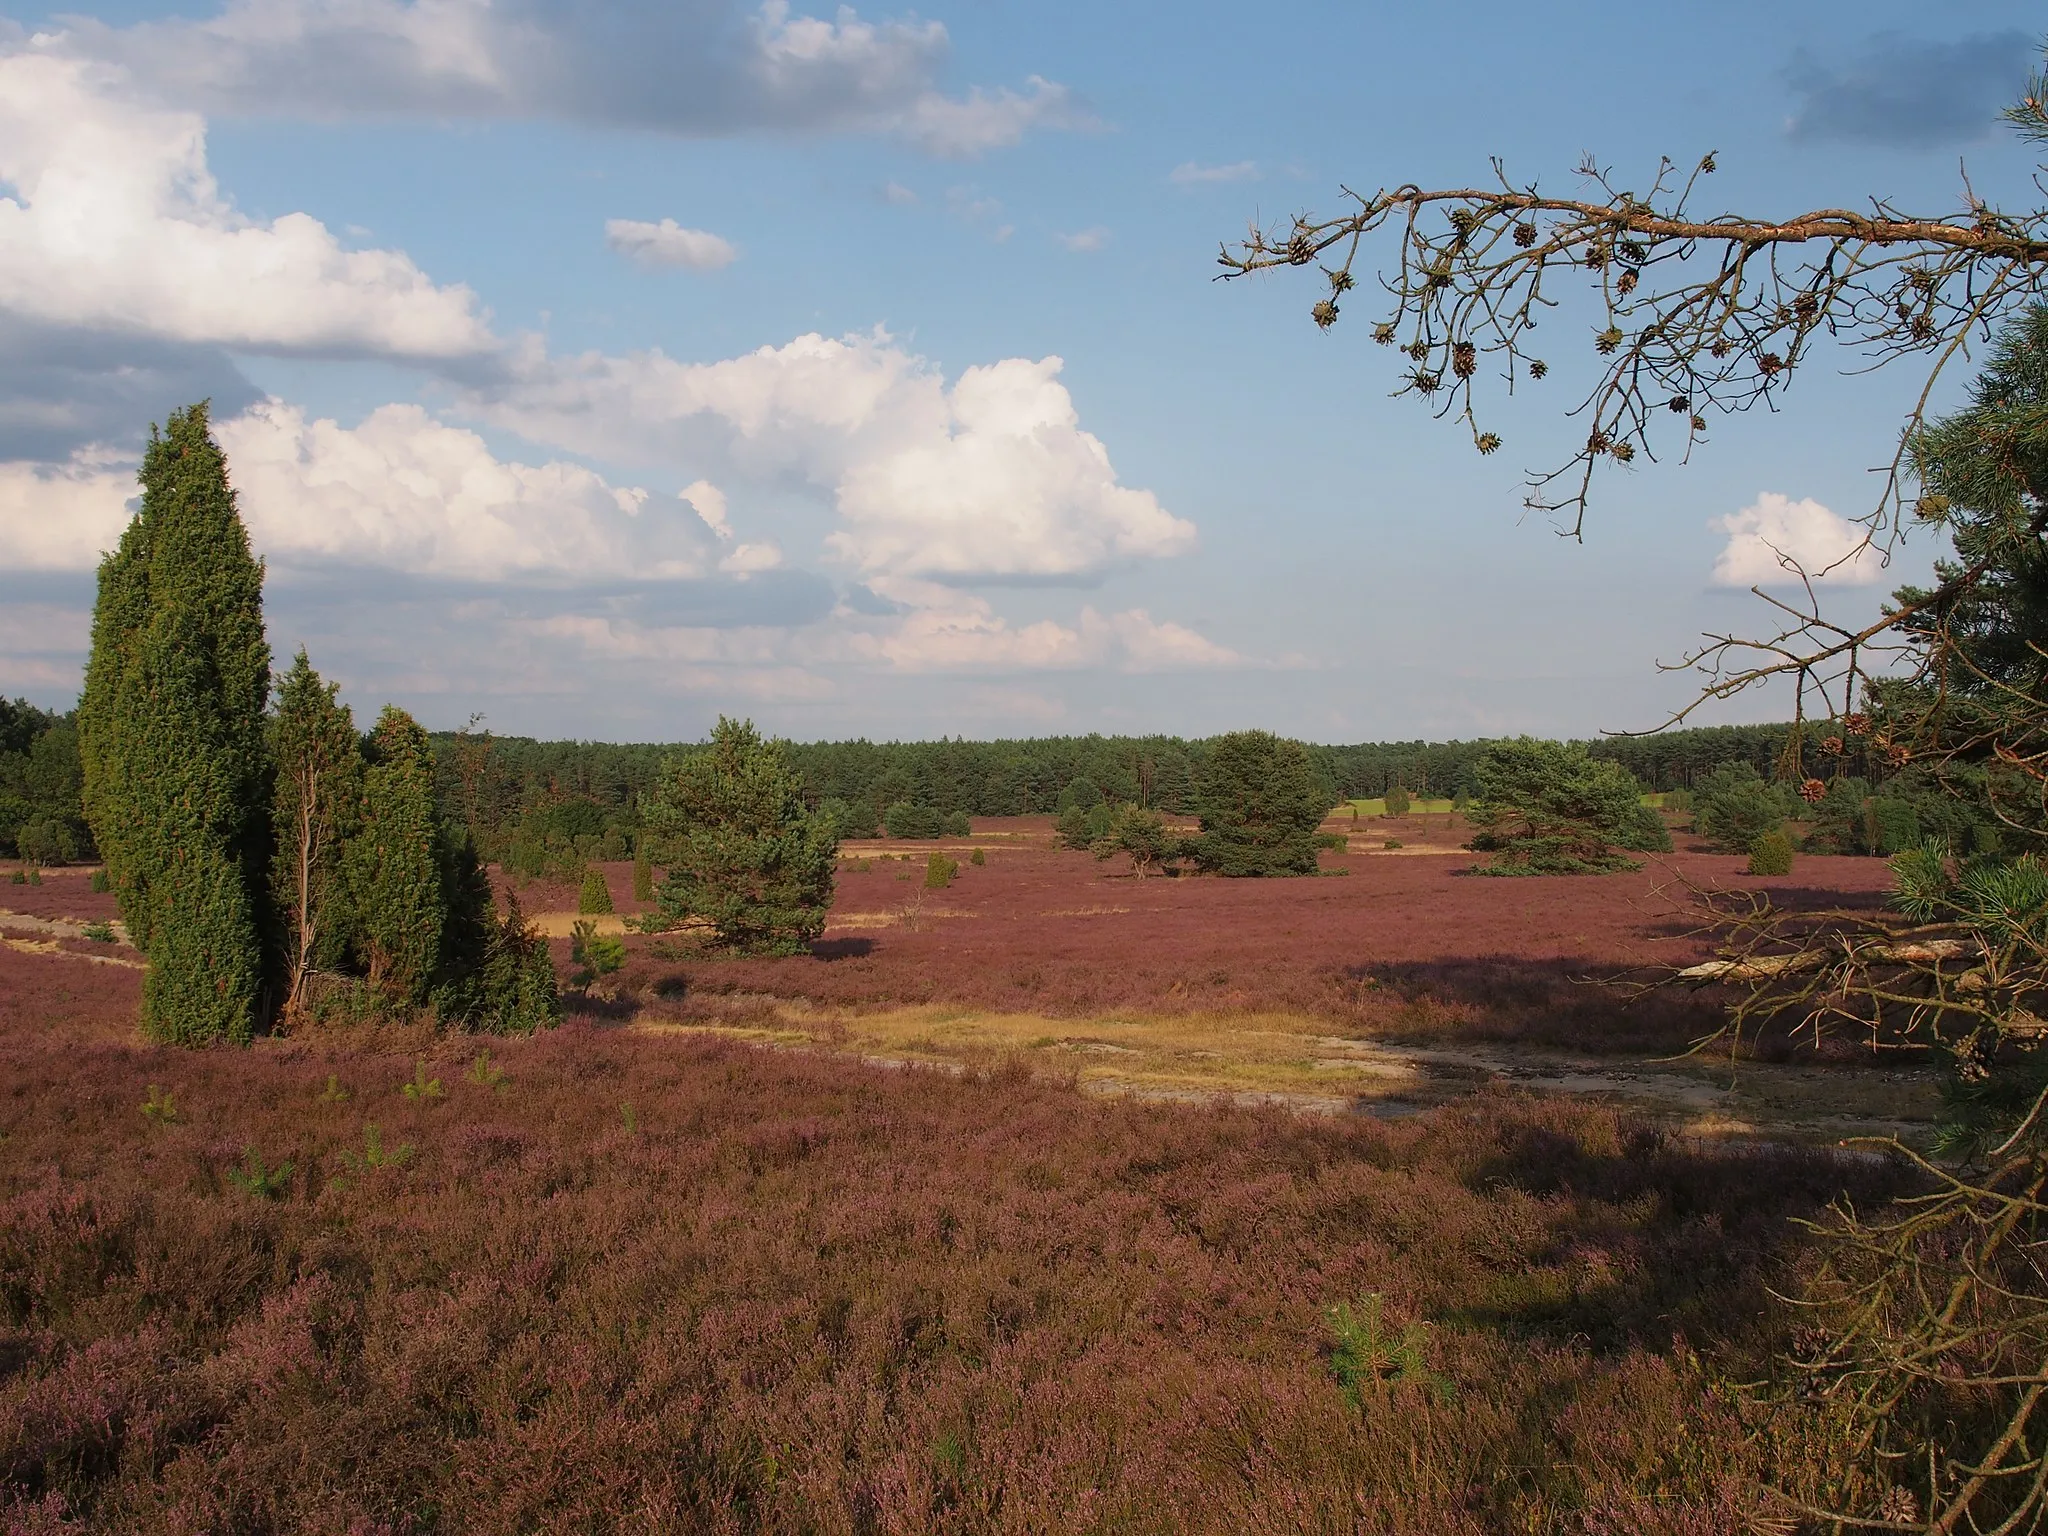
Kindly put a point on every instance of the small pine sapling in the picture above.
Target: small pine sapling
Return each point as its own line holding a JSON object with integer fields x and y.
{"x": 422, "y": 1088}
{"x": 595, "y": 954}
{"x": 253, "y": 1179}
{"x": 374, "y": 1156}
{"x": 101, "y": 884}
{"x": 486, "y": 1073}
{"x": 99, "y": 933}
{"x": 629, "y": 1120}
{"x": 160, "y": 1108}
{"x": 1366, "y": 1356}
{"x": 333, "y": 1093}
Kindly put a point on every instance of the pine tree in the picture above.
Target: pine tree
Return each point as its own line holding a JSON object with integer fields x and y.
{"x": 171, "y": 739}
{"x": 318, "y": 761}
{"x": 1260, "y": 805}
{"x": 744, "y": 852}
{"x": 395, "y": 862}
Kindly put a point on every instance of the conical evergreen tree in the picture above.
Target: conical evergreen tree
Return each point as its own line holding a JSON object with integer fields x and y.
{"x": 171, "y": 738}
{"x": 395, "y": 861}
{"x": 318, "y": 762}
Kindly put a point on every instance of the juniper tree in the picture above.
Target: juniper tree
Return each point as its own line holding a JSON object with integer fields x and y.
{"x": 395, "y": 862}
{"x": 171, "y": 739}
{"x": 743, "y": 852}
{"x": 317, "y": 759}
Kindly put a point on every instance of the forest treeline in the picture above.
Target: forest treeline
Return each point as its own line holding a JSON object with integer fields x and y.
{"x": 524, "y": 799}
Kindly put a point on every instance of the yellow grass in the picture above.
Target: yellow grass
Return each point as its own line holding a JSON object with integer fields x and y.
{"x": 1295, "y": 1056}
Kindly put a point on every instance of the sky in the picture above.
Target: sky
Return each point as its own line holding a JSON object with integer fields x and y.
{"x": 604, "y": 368}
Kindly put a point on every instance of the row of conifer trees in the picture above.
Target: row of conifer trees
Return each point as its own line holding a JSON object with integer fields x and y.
{"x": 270, "y": 863}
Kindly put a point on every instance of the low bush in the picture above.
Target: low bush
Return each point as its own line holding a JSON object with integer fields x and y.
{"x": 958, "y": 824}
{"x": 905, "y": 820}
{"x": 939, "y": 872}
{"x": 1334, "y": 842}
{"x": 1771, "y": 854}
{"x": 977, "y": 857}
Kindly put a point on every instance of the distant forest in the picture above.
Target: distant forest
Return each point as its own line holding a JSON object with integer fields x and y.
{"x": 543, "y": 803}
{"x": 530, "y": 802}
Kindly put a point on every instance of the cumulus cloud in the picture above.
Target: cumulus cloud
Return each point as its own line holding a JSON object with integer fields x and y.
{"x": 1085, "y": 241}
{"x": 897, "y": 195}
{"x": 1910, "y": 92}
{"x": 705, "y": 68}
{"x": 402, "y": 491}
{"x": 1190, "y": 174}
{"x": 64, "y": 516}
{"x": 1773, "y": 539}
{"x": 116, "y": 224}
{"x": 991, "y": 477}
{"x": 668, "y": 244}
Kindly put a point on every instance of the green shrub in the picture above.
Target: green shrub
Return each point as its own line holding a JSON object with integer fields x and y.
{"x": 1336, "y": 842}
{"x": 99, "y": 933}
{"x": 596, "y": 895}
{"x": 643, "y": 878}
{"x": 101, "y": 884}
{"x": 595, "y": 954}
{"x": 958, "y": 824}
{"x": 1397, "y": 801}
{"x": 1080, "y": 793}
{"x": 905, "y": 820}
{"x": 977, "y": 857}
{"x": 1393, "y": 842}
{"x": 1734, "y": 806}
{"x": 1550, "y": 808}
{"x": 939, "y": 872}
{"x": 1771, "y": 854}
{"x": 48, "y": 840}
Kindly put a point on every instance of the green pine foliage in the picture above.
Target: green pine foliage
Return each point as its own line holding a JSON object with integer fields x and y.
{"x": 171, "y": 740}
{"x": 1260, "y": 801}
{"x": 745, "y": 854}
{"x": 1397, "y": 801}
{"x": 316, "y": 797}
{"x": 643, "y": 878}
{"x": 1735, "y": 805}
{"x": 1551, "y": 808}
{"x": 596, "y": 894}
{"x": 939, "y": 871}
{"x": 1771, "y": 854}
{"x": 395, "y": 862}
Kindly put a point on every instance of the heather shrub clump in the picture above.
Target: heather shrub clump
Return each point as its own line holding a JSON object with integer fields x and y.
{"x": 675, "y": 1284}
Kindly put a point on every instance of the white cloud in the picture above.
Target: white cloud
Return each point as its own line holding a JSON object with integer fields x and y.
{"x": 895, "y": 193}
{"x": 1773, "y": 539}
{"x": 991, "y": 477}
{"x": 116, "y": 224}
{"x": 1190, "y": 174}
{"x": 405, "y": 492}
{"x": 708, "y": 67}
{"x": 63, "y": 517}
{"x": 668, "y": 244}
{"x": 1085, "y": 241}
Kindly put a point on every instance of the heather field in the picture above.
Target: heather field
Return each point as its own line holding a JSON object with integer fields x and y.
{"x": 1037, "y": 1203}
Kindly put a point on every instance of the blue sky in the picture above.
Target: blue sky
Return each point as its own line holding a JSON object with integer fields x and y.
{"x": 605, "y": 368}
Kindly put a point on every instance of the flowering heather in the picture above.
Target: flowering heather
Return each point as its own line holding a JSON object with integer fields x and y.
{"x": 622, "y": 1282}
{"x": 1399, "y": 946}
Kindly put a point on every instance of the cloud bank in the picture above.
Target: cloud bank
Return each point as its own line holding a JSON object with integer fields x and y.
{"x": 706, "y": 68}
{"x": 1774, "y": 539}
